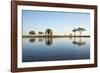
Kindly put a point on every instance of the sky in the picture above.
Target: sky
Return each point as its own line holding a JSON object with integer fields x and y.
{"x": 61, "y": 23}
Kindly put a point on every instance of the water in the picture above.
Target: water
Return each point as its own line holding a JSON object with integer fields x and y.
{"x": 55, "y": 49}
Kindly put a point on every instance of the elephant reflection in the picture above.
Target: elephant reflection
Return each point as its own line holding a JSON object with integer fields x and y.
{"x": 48, "y": 41}
{"x": 79, "y": 43}
{"x": 32, "y": 40}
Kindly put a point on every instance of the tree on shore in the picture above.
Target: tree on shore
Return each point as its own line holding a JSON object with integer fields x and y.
{"x": 81, "y": 30}
{"x": 74, "y": 30}
{"x": 32, "y": 33}
{"x": 40, "y": 33}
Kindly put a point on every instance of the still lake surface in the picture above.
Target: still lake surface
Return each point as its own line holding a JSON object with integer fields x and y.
{"x": 55, "y": 49}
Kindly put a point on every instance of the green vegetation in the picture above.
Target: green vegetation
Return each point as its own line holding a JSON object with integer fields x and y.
{"x": 40, "y": 32}
{"x": 74, "y": 30}
{"x": 81, "y": 30}
{"x": 32, "y": 33}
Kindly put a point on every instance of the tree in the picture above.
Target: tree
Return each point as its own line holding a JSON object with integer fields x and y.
{"x": 81, "y": 30}
{"x": 74, "y": 30}
{"x": 41, "y": 33}
{"x": 32, "y": 32}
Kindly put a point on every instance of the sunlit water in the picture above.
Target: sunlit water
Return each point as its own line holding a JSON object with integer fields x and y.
{"x": 52, "y": 49}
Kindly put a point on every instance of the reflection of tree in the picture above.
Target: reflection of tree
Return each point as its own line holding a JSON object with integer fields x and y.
{"x": 48, "y": 41}
{"x": 79, "y": 43}
{"x": 32, "y": 40}
{"x": 40, "y": 39}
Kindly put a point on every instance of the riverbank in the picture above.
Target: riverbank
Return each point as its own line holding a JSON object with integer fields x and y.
{"x": 28, "y": 36}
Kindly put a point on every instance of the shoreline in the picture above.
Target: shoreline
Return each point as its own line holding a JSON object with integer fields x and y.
{"x": 27, "y": 36}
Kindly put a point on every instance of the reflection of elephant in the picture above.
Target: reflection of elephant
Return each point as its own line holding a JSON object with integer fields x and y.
{"x": 32, "y": 40}
{"x": 48, "y": 41}
{"x": 79, "y": 43}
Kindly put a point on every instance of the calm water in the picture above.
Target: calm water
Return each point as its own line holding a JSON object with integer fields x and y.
{"x": 52, "y": 49}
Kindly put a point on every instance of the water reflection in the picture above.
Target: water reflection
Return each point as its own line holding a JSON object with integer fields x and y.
{"x": 80, "y": 42}
{"x": 40, "y": 39}
{"x": 32, "y": 40}
{"x": 49, "y": 40}
{"x": 56, "y": 48}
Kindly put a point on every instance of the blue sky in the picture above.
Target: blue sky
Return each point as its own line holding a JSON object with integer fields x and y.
{"x": 60, "y": 22}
